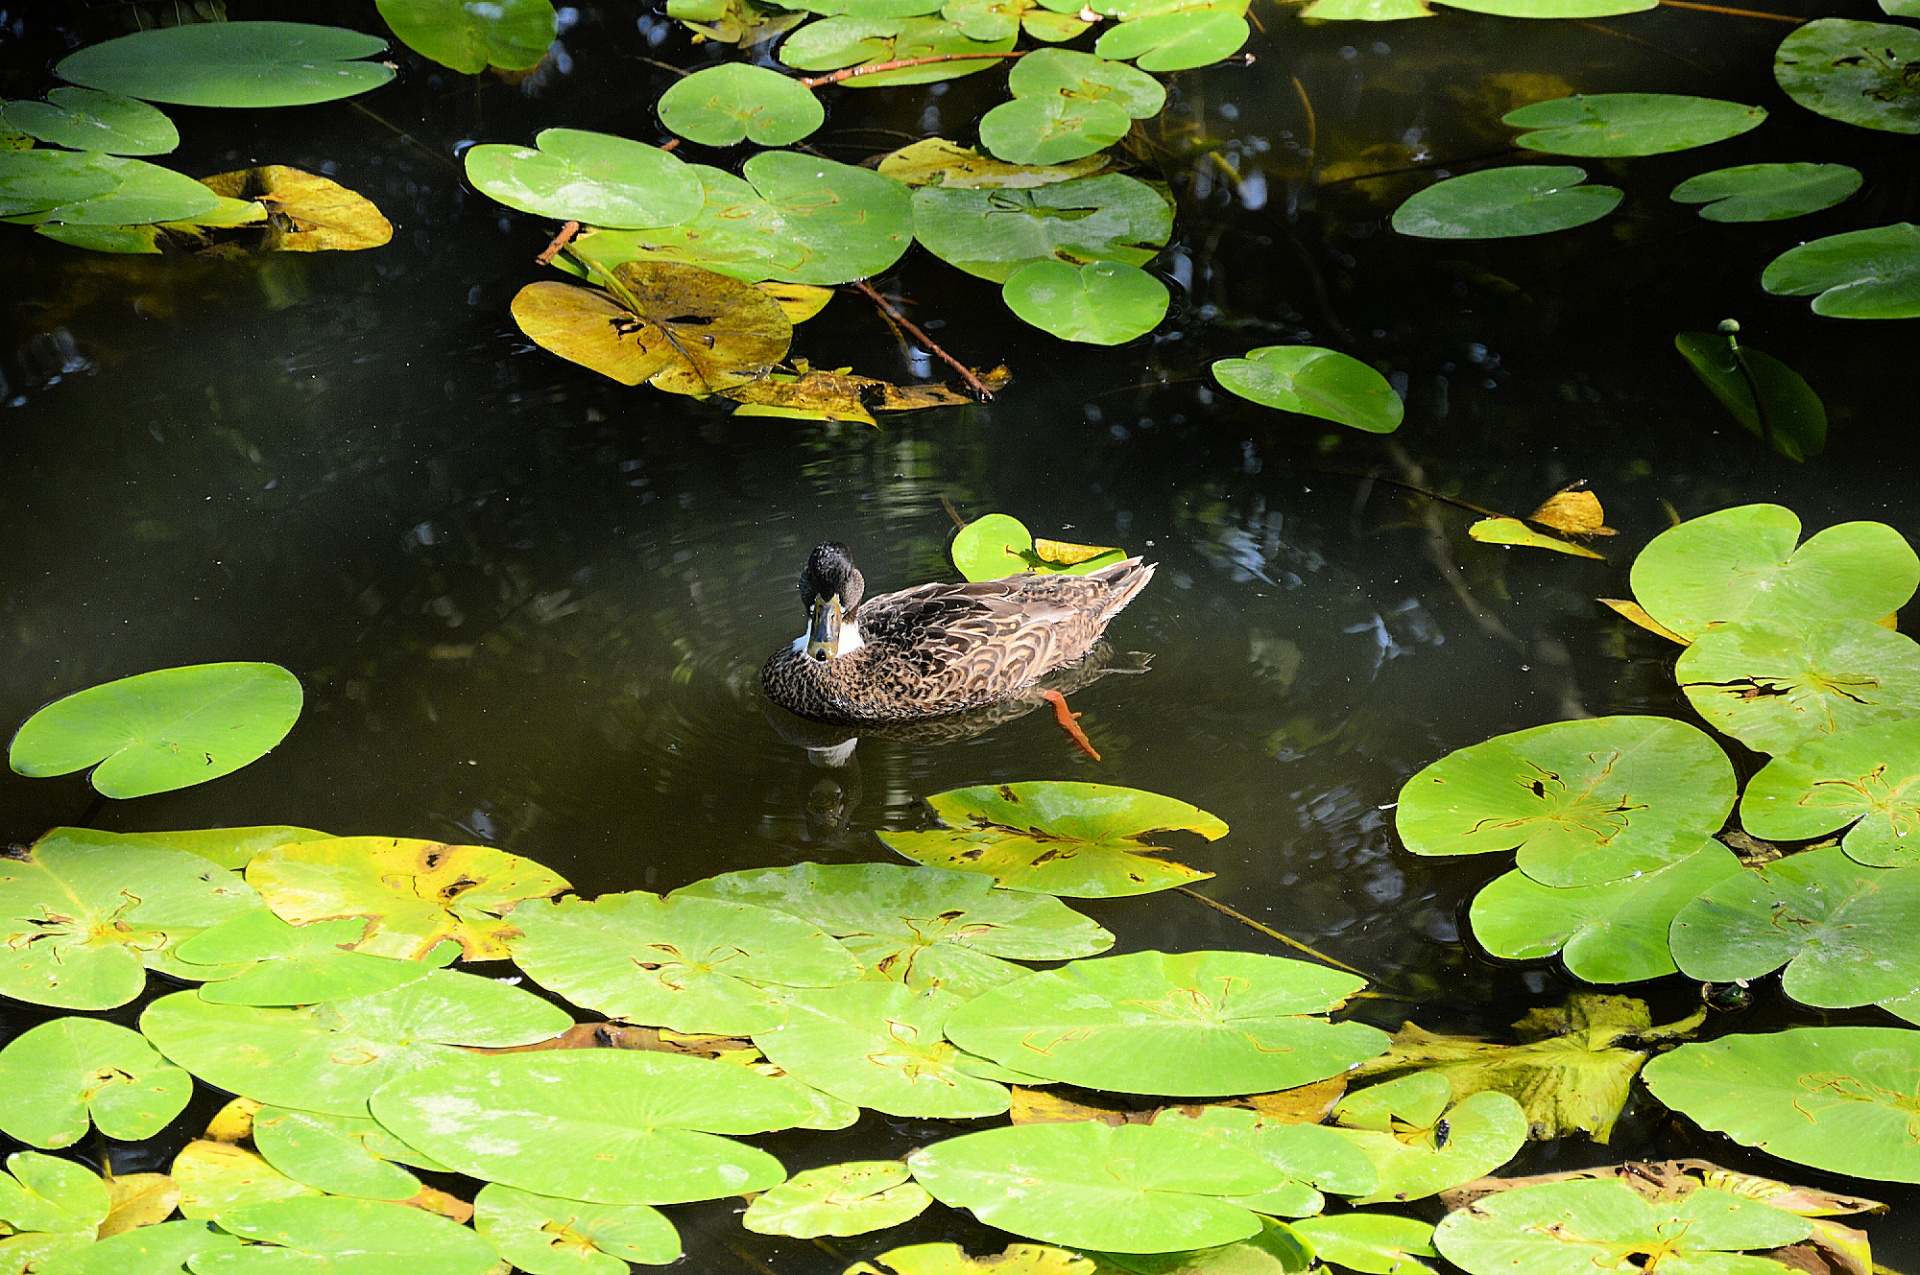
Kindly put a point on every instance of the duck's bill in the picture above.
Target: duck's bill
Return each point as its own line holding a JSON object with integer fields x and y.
{"x": 823, "y": 630}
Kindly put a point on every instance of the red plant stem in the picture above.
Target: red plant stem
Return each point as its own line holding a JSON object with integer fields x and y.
{"x": 561, "y": 240}
{"x": 835, "y": 77}
{"x": 974, "y": 383}
{"x": 1067, "y": 722}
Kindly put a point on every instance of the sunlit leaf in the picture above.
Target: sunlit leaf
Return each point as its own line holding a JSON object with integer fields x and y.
{"x": 1309, "y": 1158}
{"x": 33, "y": 181}
{"x": 1573, "y": 512}
{"x": 510, "y": 34}
{"x": 1629, "y": 123}
{"x": 45, "y": 1193}
{"x": 1635, "y": 614}
{"x": 217, "y": 1177}
{"x": 1861, "y": 274}
{"x": 1099, "y": 303}
{"x": 576, "y": 175}
{"x": 341, "y": 1155}
{"x": 1511, "y": 531}
{"x": 992, "y": 232}
{"x": 1774, "y": 687}
{"x": 1366, "y": 10}
{"x": 66, "y": 1074}
{"x": 1868, "y": 778}
{"x": 735, "y": 102}
{"x": 1175, "y": 41}
{"x": 1768, "y": 192}
{"x": 281, "y": 964}
{"x": 1505, "y": 203}
{"x": 89, "y": 120}
{"x": 1864, "y": 73}
{"x": 995, "y": 546}
{"x": 232, "y": 64}
{"x": 840, "y": 1199}
{"x": 1786, "y": 413}
{"x": 139, "y": 1200}
{"x": 819, "y": 395}
{"x": 832, "y": 44}
{"x": 228, "y": 847}
{"x": 545, "y": 1235}
{"x": 353, "y": 1237}
{"x": 935, "y": 161}
{"x": 1052, "y": 129}
{"x": 149, "y": 1250}
{"x": 1422, "y": 1141}
{"x": 999, "y": 19}
{"x": 951, "y": 1259}
{"x": 1376, "y": 1243}
{"x": 1314, "y": 381}
{"x": 306, "y": 213}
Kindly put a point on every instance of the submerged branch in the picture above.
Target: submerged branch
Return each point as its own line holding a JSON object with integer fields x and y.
{"x": 560, "y": 241}
{"x": 1734, "y": 13}
{"x": 974, "y": 383}
{"x": 848, "y": 73}
{"x": 1272, "y": 933}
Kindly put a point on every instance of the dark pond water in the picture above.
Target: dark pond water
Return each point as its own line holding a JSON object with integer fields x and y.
{"x": 529, "y": 605}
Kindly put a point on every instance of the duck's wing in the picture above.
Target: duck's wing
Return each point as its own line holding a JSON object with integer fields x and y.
{"x": 971, "y": 642}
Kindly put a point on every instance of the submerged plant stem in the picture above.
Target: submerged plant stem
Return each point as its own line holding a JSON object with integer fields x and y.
{"x": 974, "y": 383}
{"x": 1313, "y": 124}
{"x": 848, "y": 73}
{"x": 1272, "y": 933}
{"x": 1734, "y": 13}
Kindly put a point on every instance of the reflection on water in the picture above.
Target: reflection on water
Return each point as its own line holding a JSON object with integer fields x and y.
{"x": 529, "y": 606}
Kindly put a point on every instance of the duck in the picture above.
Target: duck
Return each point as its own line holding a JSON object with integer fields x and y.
{"x": 937, "y": 648}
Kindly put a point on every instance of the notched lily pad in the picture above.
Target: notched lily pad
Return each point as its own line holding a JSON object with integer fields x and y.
{"x": 545, "y": 1235}
{"x": 1376, "y": 1243}
{"x": 1506, "y": 203}
{"x": 575, "y": 175}
{"x": 840, "y": 1199}
{"x": 1868, "y": 778}
{"x": 1863, "y": 73}
{"x": 993, "y": 231}
{"x": 1605, "y": 124}
{"x": 89, "y": 120}
{"x": 1314, "y": 381}
{"x": 232, "y": 64}
{"x": 1421, "y": 1141}
{"x": 354, "y": 1237}
{"x": 736, "y": 102}
{"x": 1099, "y": 303}
{"x": 510, "y": 34}
{"x": 1861, "y": 274}
{"x": 305, "y": 212}
{"x": 995, "y": 546}
{"x": 1768, "y": 192}
{"x": 1774, "y": 687}
{"x": 66, "y": 1074}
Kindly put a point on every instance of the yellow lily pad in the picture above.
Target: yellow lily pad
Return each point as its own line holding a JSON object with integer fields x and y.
{"x": 305, "y": 212}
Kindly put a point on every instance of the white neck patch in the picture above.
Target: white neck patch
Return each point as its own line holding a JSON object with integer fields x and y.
{"x": 849, "y": 641}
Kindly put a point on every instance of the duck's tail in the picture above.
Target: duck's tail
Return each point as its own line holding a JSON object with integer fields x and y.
{"x": 1125, "y": 579}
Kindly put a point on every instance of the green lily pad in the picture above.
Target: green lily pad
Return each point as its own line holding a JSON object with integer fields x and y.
{"x": 1277, "y": 1250}
{"x": 1377, "y": 1243}
{"x": 1421, "y": 1141}
{"x": 999, "y": 19}
{"x": 65, "y": 1074}
{"x": 921, "y": 926}
{"x": 1175, "y": 41}
{"x": 330, "y": 1057}
{"x": 47, "y": 1194}
{"x": 735, "y": 102}
{"x": 1869, "y": 778}
{"x": 591, "y": 177}
{"x": 840, "y": 1199}
{"x": 935, "y": 161}
{"x": 1837, "y": 1098}
{"x": 143, "y": 193}
{"x": 1564, "y": 1228}
{"x": 89, "y": 120}
{"x": 1134, "y": 1189}
{"x": 1794, "y": 421}
{"x": 355, "y": 1237}
{"x": 1314, "y": 381}
{"x": 341, "y": 1155}
{"x": 992, "y": 232}
{"x": 833, "y": 44}
{"x": 1773, "y": 688}
{"x": 880, "y": 1045}
{"x": 218, "y": 1177}
{"x": 411, "y": 895}
{"x": 228, "y": 847}
{"x": 1862, "y": 274}
{"x": 1585, "y": 801}
{"x": 232, "y": 64}
{"x": 1506, "y": 203}
{"x": 81, "y": 914}
{"x": 165, "y": 1249}
{"x": 1843, "y": 930}
{"x": 1864, "y": 73}
{"x": 1629, "y": 123}
{"x": 1065, "y": 73}
{"x": 34, "y": 181}
{"x": 545, "y": 1235}
{"x": 995, "y": 546}
{"x": 1309, "y": 1158}
{"x": 1768, "y": 192}
{"x": 1052, "y": 130}
{"x": 282, "y": 964}
{"x": 510, "y": 34}
{"x": 159, "y": 731}
{"x": 1741, "y": 564}
{"x": 606, "y": 1126}
{"x": 1100, "y": 303}
{"x": 1610, "y": 933}
{"x": 951, "y": 1259}
{"x": 1189, "y": 1024}
{"x": 1074, "y": 839}
{"x": 689, "y": 963}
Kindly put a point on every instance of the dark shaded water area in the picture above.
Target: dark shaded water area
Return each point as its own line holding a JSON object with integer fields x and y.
{"x": 529, "y": 605}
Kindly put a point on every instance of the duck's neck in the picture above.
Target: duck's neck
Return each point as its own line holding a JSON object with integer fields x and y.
{"x": 848, "y": 642}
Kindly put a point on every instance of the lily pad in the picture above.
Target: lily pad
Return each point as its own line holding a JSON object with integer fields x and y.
{"x": 1100, "y": 303}
{"x": 1842, "y": 929}
{"x": 576, "y": 175}
{"x": 232, "y": 64}
{"x": 304, "y": 212}
{"x": 1868, "y": 778}
{"x": 606, "y": 1126}
{"x": 412, "y": 894}
{"x": 1613, "y": 124}
{"x": 1053, "y": 129}
{"x": 341, "y": 1155}
{"x": 330, "y": 1057}
{"x": 141, "y": 193}
{"x": 992, "y": 232}
{"x": 840, "y": 1199}
{"x": 1175, "y": 41}
{"x": 1862, "y": 274}
{"x": 833, "y": 44}
{"x": 165, "y": 1249}
{"x": 1586, "y": 801}
{"x": 1768, "y": 192}
{"x": 735, "y": 102}
{"x": 1421, "y": 1141}
{"x": 297, "y": 965}
{"x": 81, "y": 914}
{"x": 1610, "y": 933}
{"x": 1506, "y": 203}
{"x": 1376, "y": 1243}
{"x": 354, "y": 1237}
{"x": 1074, "y": 839}
{"x": 34, "y": 181}
{"x": 1773, "y": 687}
{"x": 65, "y": 1074}
{"x": 995, "y": 546}
{"x": 1309, "y": 1158}
{"x": 1560, "y": 1228}
{"x": 935, "y": 161}
{"x": 689, "y": 963}
{"x": 159, "y": 731}
{"x": 1786, "y": 413}
{"x": 1864, "y": 73}
{"x": 951, "y": 1259}
{"x": 228, "y": 847}
{"x": 89, "y": 120}
{"x": 1189, "y": 1024}
{"x": 218, "y": 1177}
{"x": 54, "y": 1197}
{"x": 1314, "y": 381}
{"x": 545, "y": 1235}
{"x": 1741, "y": 564}
{"x": 510, "y": 34}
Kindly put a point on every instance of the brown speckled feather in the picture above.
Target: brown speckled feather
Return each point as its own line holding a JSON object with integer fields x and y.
{"x": 943, "y": 648}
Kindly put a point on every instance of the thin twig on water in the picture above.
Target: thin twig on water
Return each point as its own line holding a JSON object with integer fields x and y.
{"x": 835, "y": 77}
{"x": 561, "y": 240}
{"x": 1734, "y": 13}
{"x": 1272, "y": 933}
{"x": 974, "y": 383}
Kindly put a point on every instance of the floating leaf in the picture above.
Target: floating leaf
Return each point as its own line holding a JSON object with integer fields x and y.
{"x": 995, "y": 546}
{"x": 283, "y": 964}
{"x": 1422, "y": 1141}
{"x": 1190, "y": 1024}
{"x": 935, "y": 161}
{"x": 44, "y": 1193}
{"x": 1864, "y": 73}
{"x": 355, "y": 1237}
{"x": 510, "y": 34}
{"x": 218, "y": 1177}
{"x": 1314, "y": 381}
{"x": 159, "y": 731}
{"x": 818, "y": 395}
{"x": 1585, "y": 801}
{"x": 1868, "y": 778}
{"x": 689, "y": 963}
{"x": 1506, "y": 203}
{"x": 1073, "y": 839}
{"x": 341, "y": 1155}
{"x": 993, "y": 232}
{"x": 840, "y": 1199}
{"x": 1629, "y": 123}
{"x": 1053, "y": 129}
{"x": 1000, "y": 19}
{"x": 545, "y": 1235}
{"x": 139, "y": 1200}
{"x": 330, "y": 1057}
{"x": 1862, "y": 274}
{"x": 609, "y": 1126}
{"x": 1786, "y": 412}
{"x": 1511, "y": 531}
{"x": 833, "y": 44}
{"x": 228, "y": 847}
{"x": 1843, "y": 930}
{"x": 1377, "y": 1243}
{"x": 734, "y": 102}
{"x": 1100, "y": 303}
{"x": 1740, "y": 564}
{"x": 1309, "y": 1158}
{"x": 35, "y": 181}
{"x": 1572, "y": 512}
{"x": 591, "y": 177}
{"x": 1768, "y": 192}
{"x": 951, "y": 1259}
{"x": 1635, "y": 614}
{"x": 1772, "y": 687}
{"x": 89, "y": 120}
{"x": 1175, "y": 41}
{"x": 1366, "y": 10}
{"x": 306, "y": 213}
{"x": 65, "y": 1074}
{"x": 148, "y": 1250}
{"x": 232, "y": 64}
{"x": 1611, "y": 933}
{"x": 412, "y": 894}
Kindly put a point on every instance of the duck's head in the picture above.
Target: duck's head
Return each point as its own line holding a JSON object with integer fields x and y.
{"x": 830, "y": 589}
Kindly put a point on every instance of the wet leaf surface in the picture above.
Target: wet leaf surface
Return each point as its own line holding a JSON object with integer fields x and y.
{"x": 232, "y": 64}
{"x": 574, "y": 175}
{"x": 1863, "y": 73}
{"x": 1099, "y": 303}
{"x": 510, "y": 34}
{"x": 363, "y": 1237}
{"x": 1314, "y": 381}
{"x": 545, "y": 1235}
{"x": 839, "y": 1199}
{"x": 1868, "y": 778}
{"x": 1376, "y": 1243}
{"x": 1774, "y": 688}
{"x": 1423, "y": 1142}
{"x": 89, "y": 120}
{"x": 992, "y": 232}
{"x": 341, "y": 1155}
{"x": 1309, "y": 1158}
{"x": 1505, "y": 203}
{"x": 70, "y": 1073}
{"x": 1629, "y": 123}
